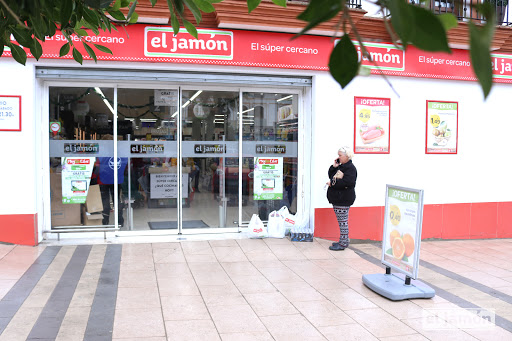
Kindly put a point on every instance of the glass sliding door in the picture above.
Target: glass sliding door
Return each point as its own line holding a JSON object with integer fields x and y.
{"x": 209, "y": 151}
{"x": 269, "y": 152}
{"x": 82, "y": 179}
{"x": 147, "y": 143}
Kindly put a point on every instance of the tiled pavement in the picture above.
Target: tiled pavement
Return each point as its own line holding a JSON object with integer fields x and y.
{"x": 244, "y": 289}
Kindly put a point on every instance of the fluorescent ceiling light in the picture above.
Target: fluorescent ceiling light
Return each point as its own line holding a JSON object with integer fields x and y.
{"x": 98, "y": 90}
{"x": 148, "y": 119}
{"x": 129, "y": 119}
{"x": 188, "y": 102}
{"x": 282, "y": 99}
{"x": 252, "y": 109}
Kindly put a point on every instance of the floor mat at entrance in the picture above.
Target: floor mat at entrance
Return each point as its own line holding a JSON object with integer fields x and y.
{"x": 164, "y": 225}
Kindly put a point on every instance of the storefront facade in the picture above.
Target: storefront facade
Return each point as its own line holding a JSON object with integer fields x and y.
{"x": 194, "y": 118}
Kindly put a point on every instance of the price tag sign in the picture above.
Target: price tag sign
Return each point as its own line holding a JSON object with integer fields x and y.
{"x": 365, "y": 115}
{"x": 10, "y": 113}
{"x": 435, "y": 120}
{"x": 394, "y": 215}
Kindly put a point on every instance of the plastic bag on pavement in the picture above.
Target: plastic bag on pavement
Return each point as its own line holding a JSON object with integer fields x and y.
{"x": 291, "y": 222}
{"x": 275, "y": 225}
{"x": 256, "y": 228}
{"x": 283, "y": 211}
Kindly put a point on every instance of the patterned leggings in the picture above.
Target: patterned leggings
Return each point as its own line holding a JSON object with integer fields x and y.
{"x": 342, "y": 216}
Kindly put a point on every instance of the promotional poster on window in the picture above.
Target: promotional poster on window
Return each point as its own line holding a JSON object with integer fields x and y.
{"x": 268, "y": 178}
{"x": 403, "y": 219}
{"x": 371, "y": 125}
{"x": 442, "y": 127}
{"x": 76, "y": 177}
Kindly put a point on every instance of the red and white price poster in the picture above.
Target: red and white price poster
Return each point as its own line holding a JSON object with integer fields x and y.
{"x": 10, "y": 113}
{"x": 442, "y": 127}
{"x": 371, "y": 125}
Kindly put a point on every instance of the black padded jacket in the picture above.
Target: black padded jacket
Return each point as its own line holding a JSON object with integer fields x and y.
{"x": 342, "y": 191}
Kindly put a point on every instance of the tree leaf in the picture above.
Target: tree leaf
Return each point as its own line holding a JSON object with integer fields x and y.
{"x": 178, "y": 6}
{"x": 448, "y": 20}
{"x": 81, "y": 32}
{"x": 117, "y": 5}
{"x": 204, "y": 6}
{"x": 36, "y": 49}
{"x": 52, "y": 28}
{"x": 281, "y": 3}
{"x": 401, "y": 19}
{"x": 153, "y": 3}
{"x": 22, "y": 36}
{"x": 77, "y": 56}
{"x": 190, "y": 28}
{"x": 131, "y": 10}
{"x": 195, "y": 11}
{"x": 91, "y": 17}
{"x": 90, "y": 51}
{"x": 429, "y": 34}
{"x": 38, "y": 25}
{"x": 175, "y": 23}
{"x": 252, "y": 4}
{"x": 343, "y": 63}
{"x": 64, "y": 49}
{"x": 118, "y": 15}
{"x": 319, "y": 11}
{"x": 134, "y": 18}
{"x": 480, "y": 55}
{"x": 66, "y": 9}
{"x": 18, "y": 53}
{"x": 103, "y": 48}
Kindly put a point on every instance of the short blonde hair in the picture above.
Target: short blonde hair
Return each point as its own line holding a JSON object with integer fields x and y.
{"x": 347, "y": 151}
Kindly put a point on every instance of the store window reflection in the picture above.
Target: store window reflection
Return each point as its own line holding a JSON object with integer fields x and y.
{"x": 270, "y": 134}
{"x": 151, "y": 189}
{"x": 210, "y": 158}
{"x": 81, "y": 157}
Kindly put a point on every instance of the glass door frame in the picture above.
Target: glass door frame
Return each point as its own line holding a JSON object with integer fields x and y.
{"x": 304, "y": 101}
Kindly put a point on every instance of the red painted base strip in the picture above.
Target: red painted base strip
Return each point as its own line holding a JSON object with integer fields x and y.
{"x": 19, "y": 229}
{"x": 446, "y": 221}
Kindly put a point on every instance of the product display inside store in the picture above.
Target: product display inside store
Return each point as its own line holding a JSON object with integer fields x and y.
{"x": 155, "y": 133}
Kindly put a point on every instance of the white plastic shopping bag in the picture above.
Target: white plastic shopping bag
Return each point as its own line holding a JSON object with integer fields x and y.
{"x": 283, "y": 211}
{"x": 291, "y": 222}
{"x": 275, "y": 225}
{"x": 256, "y": 228}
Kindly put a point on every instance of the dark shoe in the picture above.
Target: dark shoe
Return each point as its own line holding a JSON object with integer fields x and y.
{"x": 336, "y": 247}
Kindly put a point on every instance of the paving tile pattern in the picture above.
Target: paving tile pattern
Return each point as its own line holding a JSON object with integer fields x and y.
{"x": 245, "y": 289}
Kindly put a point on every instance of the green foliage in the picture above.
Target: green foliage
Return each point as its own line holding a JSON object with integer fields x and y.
{"x": 343, "y": 62}
{"x": 30, "y": 22}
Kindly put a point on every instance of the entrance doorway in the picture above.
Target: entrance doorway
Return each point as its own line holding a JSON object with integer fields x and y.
{"x": 188, "y": 160}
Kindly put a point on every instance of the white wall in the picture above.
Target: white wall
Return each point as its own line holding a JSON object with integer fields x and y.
{"x": 480, "y": 172}
{"x": 18, "y": 149}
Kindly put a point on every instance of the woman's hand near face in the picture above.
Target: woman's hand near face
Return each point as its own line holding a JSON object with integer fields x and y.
{"x": 335, "y": 163}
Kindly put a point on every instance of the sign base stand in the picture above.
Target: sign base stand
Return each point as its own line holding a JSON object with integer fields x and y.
{"x": 396, "y": 287}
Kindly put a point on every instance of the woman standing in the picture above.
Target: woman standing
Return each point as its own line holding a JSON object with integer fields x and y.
{"x": 341, "y": 192}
